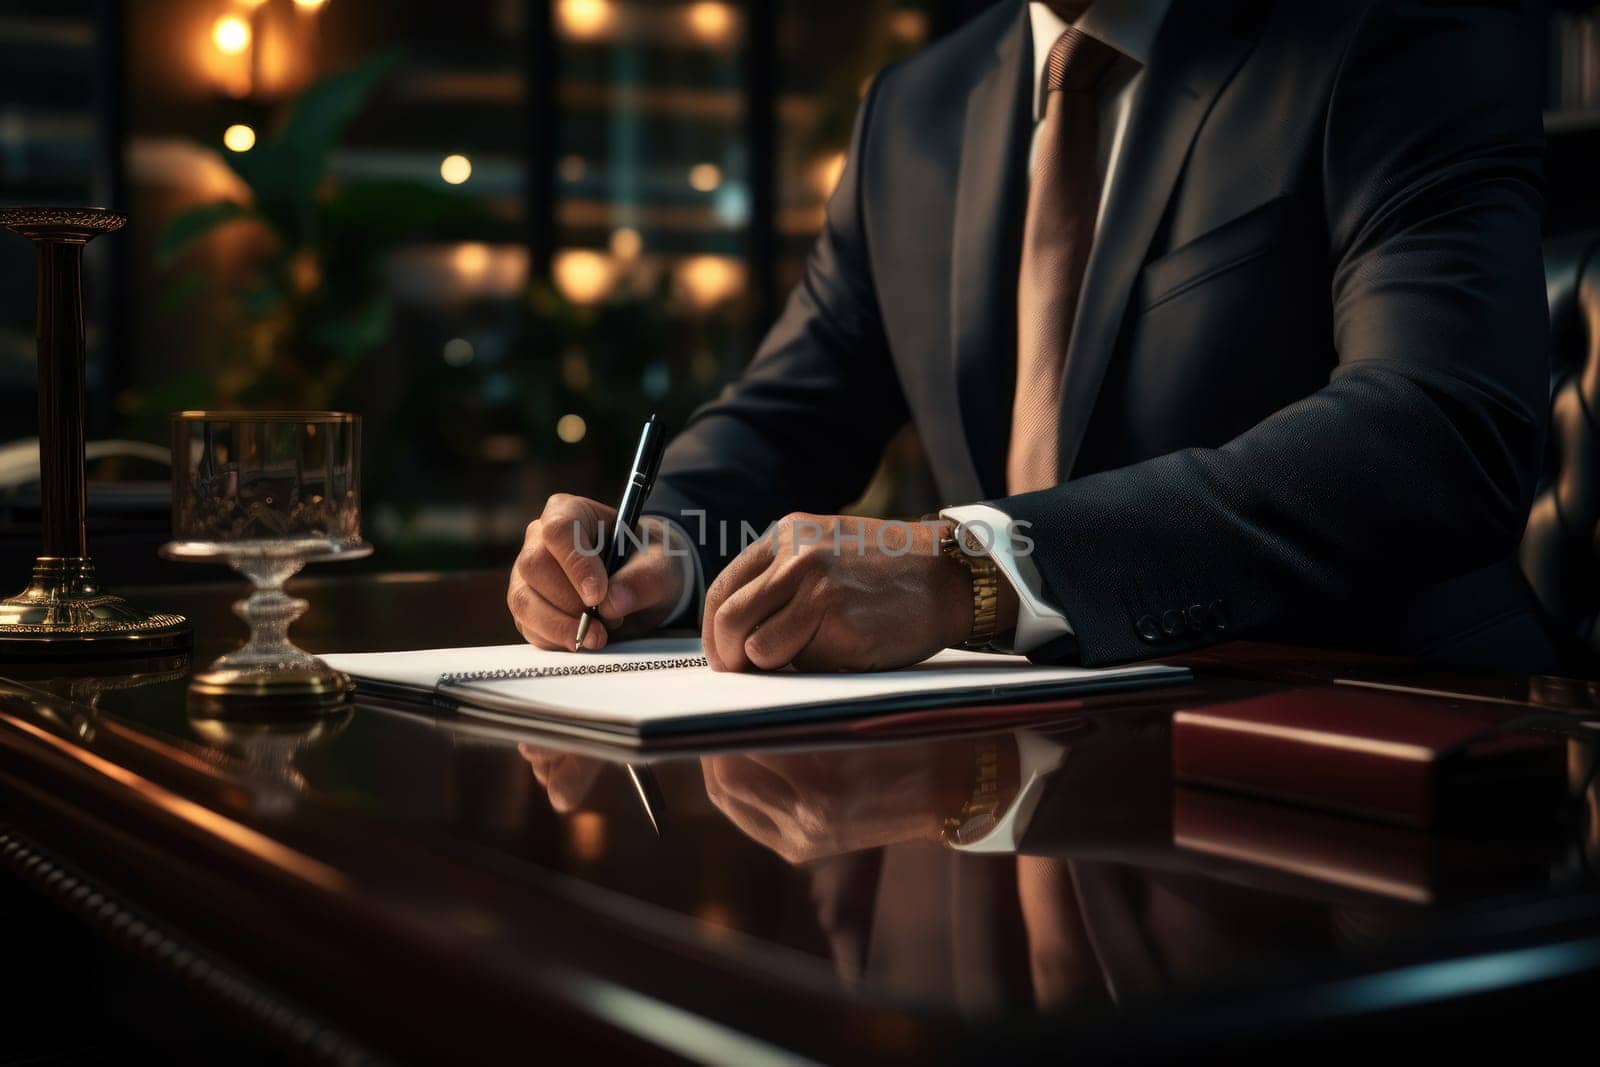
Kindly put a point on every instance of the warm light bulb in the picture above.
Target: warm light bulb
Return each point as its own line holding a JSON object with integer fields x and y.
{"x": 455, "y": 169}
{"x": 585, "y": 18}
{"x": 582, "y": 275}
{"x": 910, "y": 26}
{"x": 710, "y": 21}
{"x": 626, "y": 242}
{"x": 309, "y": 5}
{"x": 239, "y": 137}
{"x": 705, "y": 177}
{"x": 571, "y": 428}
{"x": 471, "y": 261}
{"x": 709, "y": 280}
{"x": 231, "y": 35}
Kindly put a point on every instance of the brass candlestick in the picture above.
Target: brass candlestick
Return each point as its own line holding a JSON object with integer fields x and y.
{"x": 63, "y": 614}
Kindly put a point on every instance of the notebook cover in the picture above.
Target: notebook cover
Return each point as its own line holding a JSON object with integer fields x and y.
{"x": 1411, "y": 760}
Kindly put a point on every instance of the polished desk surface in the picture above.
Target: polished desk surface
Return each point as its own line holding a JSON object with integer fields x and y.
{"x": 403, "y": 883}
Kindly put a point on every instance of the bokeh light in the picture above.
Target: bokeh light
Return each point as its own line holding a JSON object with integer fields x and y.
{"x": 585, "y": 18}
{"x": 825, "y": 173}
{"x": 707, "y": 281}
{"x": 705, "y": 177}
{"x": 710, "y": 21}
{"x": 455, "y": 169}
{"x": 583, "y": 276}
{"x": 571, "y": 428}
{"x": 239, "y": 137}
{"x": 626, "y": 242}
{"x": 231, "y": 35}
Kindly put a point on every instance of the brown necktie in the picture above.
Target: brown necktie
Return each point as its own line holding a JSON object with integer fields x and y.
{"x": 1063, "y": 197}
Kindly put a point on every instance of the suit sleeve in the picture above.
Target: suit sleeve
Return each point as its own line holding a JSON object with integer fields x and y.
{"x": 1416, "y": 462}
{"x": 804, "y": 427}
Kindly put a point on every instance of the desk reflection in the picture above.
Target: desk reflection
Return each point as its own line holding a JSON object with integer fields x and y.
{"x": 1101, "y": 887}
{"x": 566, "y": 777}
{"x": 811, "y": 805}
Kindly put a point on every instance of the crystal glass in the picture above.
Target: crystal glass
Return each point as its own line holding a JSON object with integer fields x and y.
{"x": 267, "y": 492}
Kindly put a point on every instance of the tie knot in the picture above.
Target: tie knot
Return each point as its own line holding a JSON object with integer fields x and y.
{"x": 1077, "y": 61}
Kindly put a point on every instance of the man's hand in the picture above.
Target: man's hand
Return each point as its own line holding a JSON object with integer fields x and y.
{"x": 566, "y": 778}
{"x": 559, "y": 573}
{"x": 808, "y": 805}
{"x": 837, "y": 593}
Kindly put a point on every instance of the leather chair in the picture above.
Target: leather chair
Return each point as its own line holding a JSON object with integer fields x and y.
{"x": 1561, "y": 547}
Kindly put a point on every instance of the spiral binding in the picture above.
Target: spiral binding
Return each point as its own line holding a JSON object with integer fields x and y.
{"x": 505, "y": 674}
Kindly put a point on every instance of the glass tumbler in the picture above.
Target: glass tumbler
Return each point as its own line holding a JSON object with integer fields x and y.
{"x": 267, "y": 492}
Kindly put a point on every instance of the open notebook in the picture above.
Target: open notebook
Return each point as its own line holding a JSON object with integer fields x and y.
{"x": 641, "y": 690}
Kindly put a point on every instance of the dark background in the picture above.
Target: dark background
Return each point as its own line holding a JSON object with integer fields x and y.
{"x": 646, "y": 177}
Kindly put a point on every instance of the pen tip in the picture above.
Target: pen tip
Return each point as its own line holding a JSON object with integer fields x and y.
{"x": 583, "y": 631}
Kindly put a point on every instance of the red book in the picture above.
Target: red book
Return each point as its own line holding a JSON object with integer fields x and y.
{"x": 1407, "y": 759}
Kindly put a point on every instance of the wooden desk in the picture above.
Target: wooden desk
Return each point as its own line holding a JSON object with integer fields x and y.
{"x": 392, "y": 885}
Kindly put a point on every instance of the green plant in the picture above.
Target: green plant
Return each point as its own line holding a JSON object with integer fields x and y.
{"x": 314, "y": 307}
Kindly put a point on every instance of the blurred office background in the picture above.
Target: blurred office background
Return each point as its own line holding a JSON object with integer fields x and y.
{"x": 501, "y": 230}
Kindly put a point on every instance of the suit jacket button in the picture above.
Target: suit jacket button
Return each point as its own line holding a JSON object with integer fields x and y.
{"x": 1172, "y": 622}
{"x": 1217, "y": 616}
{"x": 1148, "y": 629}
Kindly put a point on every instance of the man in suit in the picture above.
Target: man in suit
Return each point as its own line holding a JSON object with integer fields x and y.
{"x": 1221, "y": 317}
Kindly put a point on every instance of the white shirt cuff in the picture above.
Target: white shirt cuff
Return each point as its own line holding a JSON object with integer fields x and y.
{"x": 1038, "y": 621}
{"x": 1037, "y": 757}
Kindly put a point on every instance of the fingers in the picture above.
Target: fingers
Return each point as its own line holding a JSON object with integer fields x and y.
{"x": 784, "y": 637}
{"x": 546, "y": 625}
{"x": 756, "y": 783}
{"x": 751, "y": 821}
{"x": 746, "y": 567}
{"x": 743, "y": 611}
{"x": 649, "y": 583}
{"x": 569, "y": 530}
{"x": 558, "y": 572}
{"x": 538, "y": 569}
{"x": 566, "y": 779}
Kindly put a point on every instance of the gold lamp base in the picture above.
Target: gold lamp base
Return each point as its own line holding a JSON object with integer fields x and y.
{"x": 65, "y": 615}
{"x": 256, "y": 693}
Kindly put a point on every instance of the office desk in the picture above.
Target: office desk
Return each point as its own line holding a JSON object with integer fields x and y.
{"x": 391, "y": 884}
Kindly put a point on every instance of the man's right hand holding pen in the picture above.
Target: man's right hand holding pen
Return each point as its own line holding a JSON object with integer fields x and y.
{"x": 559, "y": 573}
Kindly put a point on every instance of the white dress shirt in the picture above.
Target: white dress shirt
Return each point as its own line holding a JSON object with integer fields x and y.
{"x": 1130, "y": 27}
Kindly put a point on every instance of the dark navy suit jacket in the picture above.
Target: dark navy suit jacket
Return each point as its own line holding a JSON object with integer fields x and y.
{"x": 1305, "y": 394}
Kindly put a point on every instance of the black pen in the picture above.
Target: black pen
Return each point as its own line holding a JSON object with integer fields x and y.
{"x": 646, "y": 460}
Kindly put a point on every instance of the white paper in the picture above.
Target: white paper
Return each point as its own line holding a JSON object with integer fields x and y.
{"x": 612, "y": 693}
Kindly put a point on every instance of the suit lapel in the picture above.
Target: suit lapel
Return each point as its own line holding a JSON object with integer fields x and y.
{"x": 1198, "y": 49}
{"x": 991, "y": 195}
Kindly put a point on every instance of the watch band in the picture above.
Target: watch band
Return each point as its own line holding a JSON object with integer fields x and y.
{"x": 985, "y": 575}
{"x": 981, "y": 813}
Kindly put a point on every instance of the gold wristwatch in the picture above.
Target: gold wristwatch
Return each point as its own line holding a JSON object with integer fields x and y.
{"x": 975, "y": 560}
{"x": 981, "y": 813}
